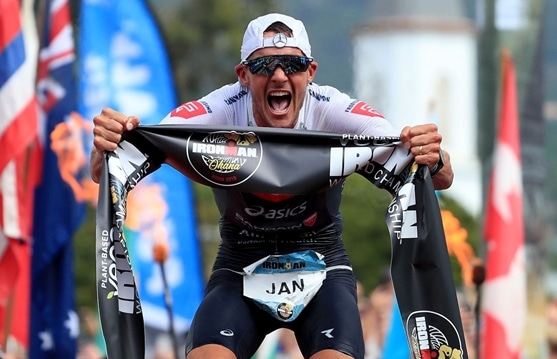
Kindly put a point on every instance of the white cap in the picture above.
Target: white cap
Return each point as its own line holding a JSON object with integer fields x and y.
{"x": 254, "y": 40}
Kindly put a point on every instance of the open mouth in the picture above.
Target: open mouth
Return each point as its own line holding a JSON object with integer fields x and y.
{"x": 279, "y": 101}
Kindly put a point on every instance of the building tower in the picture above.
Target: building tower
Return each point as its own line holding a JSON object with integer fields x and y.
{"x": 415, "y": 62}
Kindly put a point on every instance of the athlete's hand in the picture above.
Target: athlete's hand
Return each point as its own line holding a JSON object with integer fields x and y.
{"x": 109, "y": 126}
{"x": 424, "y": 141}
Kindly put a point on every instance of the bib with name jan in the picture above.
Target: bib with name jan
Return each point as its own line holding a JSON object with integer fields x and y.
{"x": 284, "y": 284}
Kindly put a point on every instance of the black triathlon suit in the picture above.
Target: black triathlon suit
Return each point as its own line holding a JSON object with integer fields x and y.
{"x": 253, "y": 226}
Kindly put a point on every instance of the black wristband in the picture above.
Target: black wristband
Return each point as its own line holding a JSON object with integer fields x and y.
{"x": 439, "y": 164}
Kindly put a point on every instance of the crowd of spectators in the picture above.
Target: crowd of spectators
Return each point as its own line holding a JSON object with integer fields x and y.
{"x": 376, "y": 312}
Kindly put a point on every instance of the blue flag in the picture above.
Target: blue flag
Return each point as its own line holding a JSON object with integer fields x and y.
{"x": 396, "y": 344}
{"x": 57, "y": 213}
{"x": 124, "y": 65}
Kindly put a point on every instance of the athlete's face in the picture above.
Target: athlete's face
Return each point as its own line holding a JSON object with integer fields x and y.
{"x": 277, "y": 98}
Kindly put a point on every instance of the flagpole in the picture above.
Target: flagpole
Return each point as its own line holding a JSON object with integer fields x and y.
{"x": 478, "y": 277}
{"x": 8, "y": 321}
{"x": 160, "y": 254}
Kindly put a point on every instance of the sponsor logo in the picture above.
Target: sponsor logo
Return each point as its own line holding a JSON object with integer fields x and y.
{"x": 256, "y": 238}
{"x": 272, "y": 228}
{"x": 367, "y": 140}
{"x": 328, "y": 333}
{"x": 117, "y": 280}
{"x": 285, "y": 310}
{"x": 191, "y": 109}
{"x": 280, "y": 40}
{"x": 236, "y": 98}
{"x": 275, "y": 263}
{"x": 227, "y": 332}
{"x": 380, "y": 165}
{"x": 433, "y": 336}
{"x": 310, "y": 221}
{"x": 108, "y": 264}
{"x": 402, "y": 216}
{"x": 318, "y": 96}
{"x": 362, "y": 108}
{"x": 224, "y": 158}
{"x": 131, "y": 165}
{"x": 256, "y": 211}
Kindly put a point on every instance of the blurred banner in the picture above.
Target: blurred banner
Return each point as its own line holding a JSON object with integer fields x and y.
{"x": 123, "y": 65}
{"x": 59, "y": 209}
{"x": 504, "y": 297}
{"x": 396, "y": 345}
{"x": 18, "y": 171}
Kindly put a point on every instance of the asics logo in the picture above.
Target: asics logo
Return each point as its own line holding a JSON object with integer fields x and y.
{"x": 227, "y": 332}
{"x": 328, "y": 332}
{"x": 256, "y": 211}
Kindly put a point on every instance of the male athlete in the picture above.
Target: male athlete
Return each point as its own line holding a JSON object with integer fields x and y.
{"x": 297, "y": 236}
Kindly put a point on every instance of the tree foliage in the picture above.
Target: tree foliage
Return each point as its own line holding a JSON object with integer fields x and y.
{"x": 365, "y": 232}
{"x": 366, "y": 235}
{"x": 84, "y": 262}
{"x": 204, "y": 39}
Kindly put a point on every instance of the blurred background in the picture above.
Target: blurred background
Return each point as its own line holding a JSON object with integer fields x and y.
{"x": 415, "y": 61}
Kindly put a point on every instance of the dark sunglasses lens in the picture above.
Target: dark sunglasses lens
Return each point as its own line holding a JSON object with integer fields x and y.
{"x": 267, "y": 65}
{"x": 261, "y": 66}
{"x": 293, "y": 64}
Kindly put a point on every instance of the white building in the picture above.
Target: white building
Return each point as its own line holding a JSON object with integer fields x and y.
{"x": 415, "y": 62}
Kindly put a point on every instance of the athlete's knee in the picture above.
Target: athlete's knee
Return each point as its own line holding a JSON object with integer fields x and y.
{"x": 330, "y": 354}
{"x": 211, "y": 351}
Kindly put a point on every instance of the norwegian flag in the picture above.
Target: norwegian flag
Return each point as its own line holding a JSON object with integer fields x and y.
{"x": 18, "y": 129}
{"x": 18, "y": 121}
{"x": 504, "y": 298}
{"x": 54, "y": 321}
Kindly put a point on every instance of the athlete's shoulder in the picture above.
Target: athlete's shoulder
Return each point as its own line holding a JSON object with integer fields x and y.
{"x": 228, "y": 94}
{"x": 339, "y": 101}
{"x": 217, "y": 106}
{"x": 329, "y": 109}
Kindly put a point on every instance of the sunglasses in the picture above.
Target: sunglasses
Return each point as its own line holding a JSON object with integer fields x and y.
{"x": 266, "y": 65}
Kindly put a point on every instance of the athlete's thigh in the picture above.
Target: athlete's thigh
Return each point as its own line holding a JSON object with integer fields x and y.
{"x": 227, "y": 318}
{"x": 332, "y": 320}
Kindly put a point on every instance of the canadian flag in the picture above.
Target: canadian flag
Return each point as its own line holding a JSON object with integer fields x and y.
{"x": 504, "y": 297}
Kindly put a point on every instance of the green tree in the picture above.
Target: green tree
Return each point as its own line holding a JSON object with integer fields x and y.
{"x": 366, "y": 235}
{"x": 84, "y": 262}
{"x": 204, "y": 39}
{"x": 365, "y": 232}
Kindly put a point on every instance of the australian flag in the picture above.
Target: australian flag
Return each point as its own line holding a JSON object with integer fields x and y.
{"x": 57, "y": 212}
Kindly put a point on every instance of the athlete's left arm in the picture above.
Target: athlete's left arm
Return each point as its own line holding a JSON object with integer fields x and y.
{"x": 444, "y": 178}
{"x": 346, "y": 115}
{"x": 424, "y": 141}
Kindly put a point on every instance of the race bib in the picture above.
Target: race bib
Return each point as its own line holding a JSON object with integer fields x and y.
{"x": 284, "y": 284}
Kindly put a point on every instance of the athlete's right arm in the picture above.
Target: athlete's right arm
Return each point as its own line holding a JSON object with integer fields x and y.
{"x": 217, "y": 108}
{"x": 109, "y": 126}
